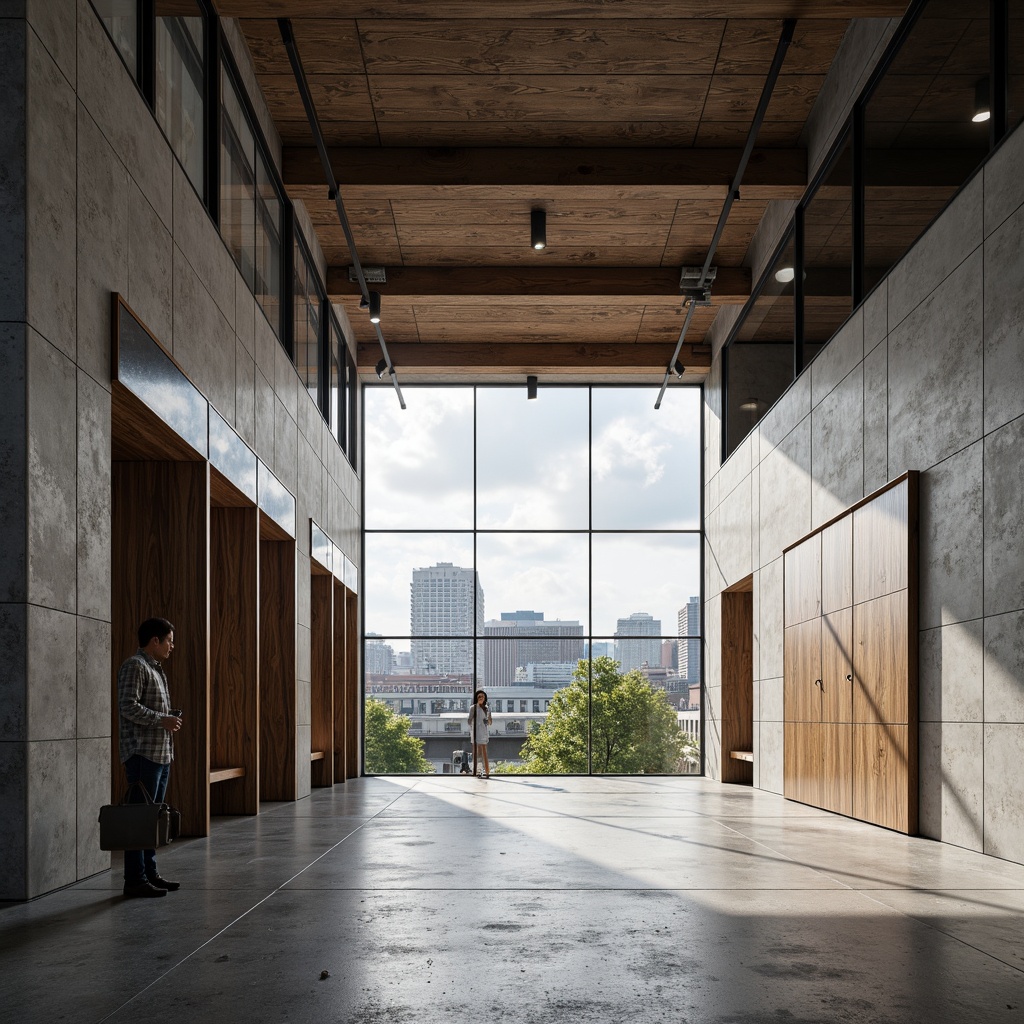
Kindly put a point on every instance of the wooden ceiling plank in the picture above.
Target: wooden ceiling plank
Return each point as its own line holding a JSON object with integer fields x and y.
{"x": 511, "y": 46}
{"x": 327, "y": 46}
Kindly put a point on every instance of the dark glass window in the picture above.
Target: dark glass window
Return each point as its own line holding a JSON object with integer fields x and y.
{"x": 828, "y": 253}
{"x": 179, "y": 104}
{"x": 760, "y": 358}
{"x": 308, "y": 305}
{"x": 1015, "y": 67}
{"x": 250, "y": 207}
{"x": 920, "y": 134}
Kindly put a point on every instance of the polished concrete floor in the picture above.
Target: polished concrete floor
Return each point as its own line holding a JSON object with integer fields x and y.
{"x": 532, "y": 900}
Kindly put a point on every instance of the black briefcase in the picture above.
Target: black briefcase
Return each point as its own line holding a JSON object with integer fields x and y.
{"x": 138, "y": 826}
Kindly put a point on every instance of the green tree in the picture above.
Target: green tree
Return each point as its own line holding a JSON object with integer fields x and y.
{"x": 633, "y": 727}
{"x": 390, "y": 750}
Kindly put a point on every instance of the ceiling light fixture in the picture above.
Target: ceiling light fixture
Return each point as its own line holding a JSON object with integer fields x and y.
{"x": 982, "y": 103}
{"x": 382, "y": 365}
{"x": 538, "y": 228}
{"x": 784, "y": 275}
{"x": 750, "y": 405}
{"x": 531, "y": 387}
{"x": 678, "y": 369}
{"x": 374, "y": 307}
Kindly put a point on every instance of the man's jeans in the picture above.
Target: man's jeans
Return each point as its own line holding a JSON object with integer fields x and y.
{"x": 141, "y": 864}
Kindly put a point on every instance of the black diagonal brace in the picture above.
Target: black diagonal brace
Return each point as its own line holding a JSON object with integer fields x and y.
{"x": 288, "y": 37}
{"x": 734, "y": 189}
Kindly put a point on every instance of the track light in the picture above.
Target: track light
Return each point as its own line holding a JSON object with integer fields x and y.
{"x": 784, "y": 275}
{"x": 538, "y": 229}
{"x": 374, "y": 307}
{"x": 982, "y": 102}
{"x": 531, "y": 387}
{"x": 382, "y": 365}
{"x": 678, "y": 369}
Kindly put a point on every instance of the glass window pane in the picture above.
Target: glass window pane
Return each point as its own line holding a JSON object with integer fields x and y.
{"x": 760, "y": 358}
{"x": 640, "y": 583}
{"x": 828, "y": 254}
{"x": 1015, "y": 68}
{"x": 307, "y": 305}
{"x": 532, "y": 459}
{"x": 179, "y": 86}
{"x": 646, "y": 462}
{"x": 121, "y": 18}
{"x": 237, "y": 183}
{"x": 921, "y": 139}
{"x": 352, "y": 406}
{"x": 269, "y": 209}
{"x": 419, "y": 461}
{"x": 543, "y": 572}
{"x": 421, "y": 584}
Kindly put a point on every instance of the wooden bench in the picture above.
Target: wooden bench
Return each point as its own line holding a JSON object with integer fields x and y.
{"x": 742, "y": 755}
{"x": 221, "y": 774}
{"x": 316, "y": 755}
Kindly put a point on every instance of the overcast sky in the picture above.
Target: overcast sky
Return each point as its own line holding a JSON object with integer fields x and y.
{"x": 532, "y": 474}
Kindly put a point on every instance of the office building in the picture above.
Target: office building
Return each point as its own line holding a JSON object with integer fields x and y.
{"x": 689, "y": 650}
{"x": 520, "y": 639}
{"x": 636, "y": 641}
{"x": 446, "y": 601}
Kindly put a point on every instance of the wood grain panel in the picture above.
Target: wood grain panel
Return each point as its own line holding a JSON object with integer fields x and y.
{"x": 159, "y": 567}
{"x": 337, "y": 97}
{"x": 800, "y": 774}
{"x": 234, "y": 657}
{"x": 802, "y": 585}
{"x": 801, "y": 671}
{"x": 339, "y": 674}
{"x": 277, "y": 670}
{"x": 837, "y": 565}
{"x": 322, "y": 678}
{"x": 328, "y": 46}
{"x": 353, "y": 688}
{"x": 834, "y": 750}
{"x": 540, "y": 98}
{"x": 880, "y": 530}
{"x": 837, "y": 666}
{"x": 737, "y": 722}
{"x": 516, "y": 47}
{"x": 626, "y": 132}
{"x": 748, "y": 46}
{"x": 882, "y": 777}
{"x": 881, "y": 658}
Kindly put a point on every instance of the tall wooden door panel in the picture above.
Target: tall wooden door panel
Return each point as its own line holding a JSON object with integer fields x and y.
{"x": 883, "y": 755}
{"x": 800, "y": 772}
{"x": 802, "y": 592}
{"x": 880, "y": 535}
{"x": 802, "y": 680}
{"x": 835, "y": 765}
{"x": 881, "y": 641}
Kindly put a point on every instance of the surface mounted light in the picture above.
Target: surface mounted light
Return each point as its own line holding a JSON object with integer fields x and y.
{"x": 750, "y": 405}
{"x": 784, "y": 275}
{"x": 382, "y": 365}
{"x": 374, "y": 307}
{"x": 982, "y": 103}
{"x": 538, "y": 229}
{"x": 531, "y": 387}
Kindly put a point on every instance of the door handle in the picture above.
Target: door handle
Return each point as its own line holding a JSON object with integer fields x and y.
{"x": 817, "y": 682}
{"x": 849, "y": 678}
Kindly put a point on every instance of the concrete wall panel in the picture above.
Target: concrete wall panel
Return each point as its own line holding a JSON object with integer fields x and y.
{"x": 1004, "y": 524}
{"x": 951, "y": 792}
{"x": 951, "y": 673}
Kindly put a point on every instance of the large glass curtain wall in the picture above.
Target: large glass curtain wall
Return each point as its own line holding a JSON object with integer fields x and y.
{"x": 947, "y": 92}
{"x": 548, "y": 551}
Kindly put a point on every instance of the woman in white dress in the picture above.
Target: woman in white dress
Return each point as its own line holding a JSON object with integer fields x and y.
{"x": 479, "y": 719}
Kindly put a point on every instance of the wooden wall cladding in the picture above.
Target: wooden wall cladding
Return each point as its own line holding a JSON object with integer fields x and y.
{"x": 159, "y": 567}
{"x": 737, "y": 722}
{"x": 277, "y": 668}
{"x": 339, "y": 677}
{"x": 322, "y": 679}
{"x": 234, "y": 657}
{"x": 850, "y": 676}
{"x": 352, "y": 717}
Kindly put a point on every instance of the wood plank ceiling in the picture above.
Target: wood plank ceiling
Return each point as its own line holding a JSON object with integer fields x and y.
{"x": 624, "y": 121}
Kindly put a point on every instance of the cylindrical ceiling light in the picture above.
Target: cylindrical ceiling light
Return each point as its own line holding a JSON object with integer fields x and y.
{"x": 982, "y": 103}
{"x": 374, "y": 307}
{"x": 531, "y": 387}
{"x": 538, "y": 228}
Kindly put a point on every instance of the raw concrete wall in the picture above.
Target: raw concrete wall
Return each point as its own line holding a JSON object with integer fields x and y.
{"x": 927, "y": 374}
{"x": 93, "y": 201}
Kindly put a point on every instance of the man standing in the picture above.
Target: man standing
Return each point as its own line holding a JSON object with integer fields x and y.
{"x": 147, "y": 724}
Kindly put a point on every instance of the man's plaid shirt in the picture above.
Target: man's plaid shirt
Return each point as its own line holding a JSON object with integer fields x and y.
{"x": 142, "y": 700}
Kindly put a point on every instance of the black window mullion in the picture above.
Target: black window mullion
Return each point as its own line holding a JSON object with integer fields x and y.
{"x": 999, "y": 33}
{"x": 212, "y": 112}
{"x": 324, "y": 358}
{"x": 147, "y": 50}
